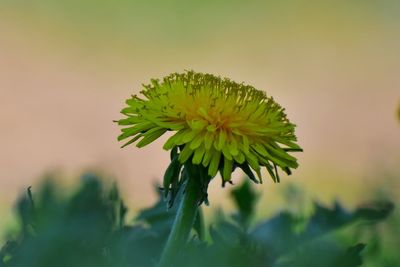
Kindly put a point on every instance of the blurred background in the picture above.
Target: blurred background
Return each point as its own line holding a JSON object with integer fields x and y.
{"x": 66, "y": 68}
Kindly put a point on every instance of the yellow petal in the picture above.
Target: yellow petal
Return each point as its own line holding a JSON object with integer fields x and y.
{"x": 214, "y": 163}
{"x": 185, "y": 154}
{"x": 198, "y": 155}
{"x": 227, "y": 171}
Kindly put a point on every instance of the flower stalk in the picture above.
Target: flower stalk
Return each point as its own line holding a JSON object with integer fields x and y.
{"x": 185, "y": 217}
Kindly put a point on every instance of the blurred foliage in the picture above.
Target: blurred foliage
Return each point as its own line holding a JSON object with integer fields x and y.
{"x": 89, "y": 228}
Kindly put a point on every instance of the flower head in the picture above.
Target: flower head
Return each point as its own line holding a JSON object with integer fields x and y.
{"x": 216, "y": 123}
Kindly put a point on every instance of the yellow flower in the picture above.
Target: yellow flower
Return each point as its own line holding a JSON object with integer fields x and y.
{"x": 217, "y": 123}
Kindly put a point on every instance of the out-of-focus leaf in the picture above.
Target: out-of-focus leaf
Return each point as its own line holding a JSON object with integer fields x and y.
{"x": 279, "y": 237}
{"x": 160, "y": 219}
{"x": 375, "y": 211}
{"x": 352, "y": 257}
{"x": 88, "y": 229}
{"x": 245, "y": 199}
{"x": 322, "y": 252}
{"x": 199, "y": 225}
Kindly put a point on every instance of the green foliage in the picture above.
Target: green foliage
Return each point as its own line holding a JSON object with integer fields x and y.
{"x": 89, "y": 229}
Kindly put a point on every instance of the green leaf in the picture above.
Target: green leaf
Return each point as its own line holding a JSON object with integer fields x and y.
{"x": 245, "y": 198}
{"x": 351, "y": 258}
{"x": 278, "y": 233}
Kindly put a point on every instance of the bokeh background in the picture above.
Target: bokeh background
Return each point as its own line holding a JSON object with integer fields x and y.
{"x": 67, "y": 66}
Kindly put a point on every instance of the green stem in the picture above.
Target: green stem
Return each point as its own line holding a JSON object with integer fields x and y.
{"x": 183, "y": 223}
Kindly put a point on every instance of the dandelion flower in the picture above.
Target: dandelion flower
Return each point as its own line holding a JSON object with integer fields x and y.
{"x": 216, "y": 123}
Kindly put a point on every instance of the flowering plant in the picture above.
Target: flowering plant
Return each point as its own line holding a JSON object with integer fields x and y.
{"x": 217, "y": 125}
